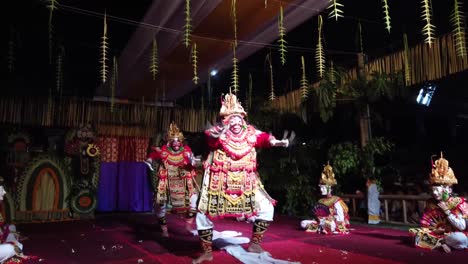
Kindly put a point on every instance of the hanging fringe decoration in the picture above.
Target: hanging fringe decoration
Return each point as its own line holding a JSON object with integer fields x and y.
{"x": 361, "y": 43}
{"x": 11, "y": 52}
{"x": 154, "y": 67}
{"x": 429, "y": 29}
{"x": 336, "y": 12}
{"x": 234, "y": 20}
{"x": 235, "y": 71}
{"x": 282, "y": 34}
{"x": 59, "y": 70}
{"x": 188, "y": 24}
{"x": 194, "y": 63}
{"x": 319, "y": 53}
{"x": 104, "y": 48}
{"x": 272, "y": 96}
{"x": 458, "y": 22}
{"x": 304, "y": 83}
{"x": 115, "y": 72}
{"x": 386, "y": 10}
{"x": 406, "y": 61}
{"x": 52, "y": 5}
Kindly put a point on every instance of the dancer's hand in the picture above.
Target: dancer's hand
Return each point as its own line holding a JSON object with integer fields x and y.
{"x": 149, "y": 162}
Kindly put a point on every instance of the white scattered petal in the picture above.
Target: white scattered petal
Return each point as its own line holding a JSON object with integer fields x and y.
{"x": 40, "y": 260}
{"x": 344, "y": 252}
{"x": 140, "y": 260}
{"x": 140, "y": 241}
{"x": 73, "y": 251}
{"x": 103, "y": 247}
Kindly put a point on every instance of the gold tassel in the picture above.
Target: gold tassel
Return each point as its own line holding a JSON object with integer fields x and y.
{"x": 429, "y": 29}
{"x": 235, "y": 71}
{"x": 386, "y": 10}
{"x": 154, "y": 59}
{"x": 304, "y": 83}
{"x": 319, "y": 54}
{"x": 458, "y": 22}
{"x": 336, "y": 11}
{"x": 282, "y": 34}
{"x": 272, "y": 96}
{"x": 188, "y": 24}
{"x": 194, "y": 63}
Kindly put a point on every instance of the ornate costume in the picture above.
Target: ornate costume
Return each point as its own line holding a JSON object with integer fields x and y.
{"x": 331, "y": 212}
{"x": 444, "y": 222}
{"x": 231, "y": 186}
{"x": 176, "y": 177}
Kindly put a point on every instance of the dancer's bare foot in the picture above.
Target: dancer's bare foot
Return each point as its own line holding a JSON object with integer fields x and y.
{"x": 208, "y": 256}
{"x": 255, "y": 248}
{"x": 446, "y": 248}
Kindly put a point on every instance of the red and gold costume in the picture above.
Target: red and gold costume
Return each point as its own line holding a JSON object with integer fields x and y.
{"x": 442, "y": 226}
{"x": 331, "y": 212}
{"x": 176, "y": 177}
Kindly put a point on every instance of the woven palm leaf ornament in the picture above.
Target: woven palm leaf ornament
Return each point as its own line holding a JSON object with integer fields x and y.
{"x": 304, "y": 83}
{"x": 272, "y": 96}
{"x": 406, "y": 60}
{"x": 234, "y": 20}
{"x": 235, "y": 71}
{"x": 104, "y": 51}
{"x": 195, "y": 78}
{"x": 386, "y": 11}
{"x": 188, "y": 25}
{"x": 361, "y": 43}
{"x": 52, "y": 5}
{"x": 319, "y": 52}
{"x": 457, "y": 18}
{"x": 332, "y": 73}
{"x": 336, "y": 10}
{"x": 154, "y": 67}
{"x": 282, "y": 33}
{"x": 429, "y": 29}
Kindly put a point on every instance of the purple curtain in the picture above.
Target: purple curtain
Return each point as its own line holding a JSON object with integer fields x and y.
{"x": 124, "y": 186}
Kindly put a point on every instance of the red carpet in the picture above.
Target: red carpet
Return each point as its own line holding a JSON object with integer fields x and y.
{"x": 130, "y": 238}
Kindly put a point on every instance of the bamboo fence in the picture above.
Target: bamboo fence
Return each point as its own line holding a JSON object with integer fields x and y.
{"x": 125, "y": 120}
{"x": 425, "y": 64}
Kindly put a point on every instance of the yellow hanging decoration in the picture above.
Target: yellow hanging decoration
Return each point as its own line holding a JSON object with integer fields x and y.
{"x": 272, "y": 96}
{"x": 234, "y": 20}
{"x": 154, "y": 68}
{"x": 52, "y": 5}
{"x": 104, "y": 48}
{"x": 235, "y": 71}
{"x": 386, "y": 10}
{"x": 194, "y": 63}
{"x": 250, "y": 92}
{"x": 336, "y": 12}
{"x": 406, "y": 60}
{"x": 319, "y": 52}
{"x": 188, "y": 24}
{"x": 429, "y": 29}
{"x": 458, "y": 22}
{"x": 332, "y": 73}
{"x": 282, "y": 34}
{"x": 304, "y": 83}
{"x": 115, "y": 72}
{"x": 59, "y": 70}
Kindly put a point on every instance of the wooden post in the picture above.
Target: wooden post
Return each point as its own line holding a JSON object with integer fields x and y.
{"x": 387, "y": 218}
{"x": 405, "y": 217}
{"x": 364, "y": 113}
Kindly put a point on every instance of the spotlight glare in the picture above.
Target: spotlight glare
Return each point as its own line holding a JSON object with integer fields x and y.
{"x": 213, "y": 72}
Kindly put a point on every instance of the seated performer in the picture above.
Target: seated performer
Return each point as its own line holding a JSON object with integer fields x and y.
{"x": 331, "y": 212}
{"x": 444, "y": 222}
{"x": 230, "y": 186}
{"x": 11, "y": 250}
{"x": 176, "y": 175}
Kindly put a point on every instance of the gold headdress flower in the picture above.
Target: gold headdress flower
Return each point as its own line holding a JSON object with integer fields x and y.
{"x": 442, "y": 174}
{"x": 230, "y": 106}
{"x": 174, "y": 132}
{"x": 328, "y": 176}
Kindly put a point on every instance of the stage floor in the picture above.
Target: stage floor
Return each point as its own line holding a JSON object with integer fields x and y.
{"x": 134, "y": 238}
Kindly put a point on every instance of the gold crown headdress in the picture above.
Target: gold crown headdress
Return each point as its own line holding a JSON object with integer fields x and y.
{"x": 441, "y": 173}
{"x": 174, "y": 132}
{"x": 231, "y": 106}
{"x": 328, "y": 176}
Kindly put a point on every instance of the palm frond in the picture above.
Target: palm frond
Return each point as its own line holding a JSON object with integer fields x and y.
{"x": 335, "y": 12}
{"x": 282, "y": 33}
{"x": 235, "y": 71}
{"x": 429, "y": 29}
{"x": 457, "y": 18}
